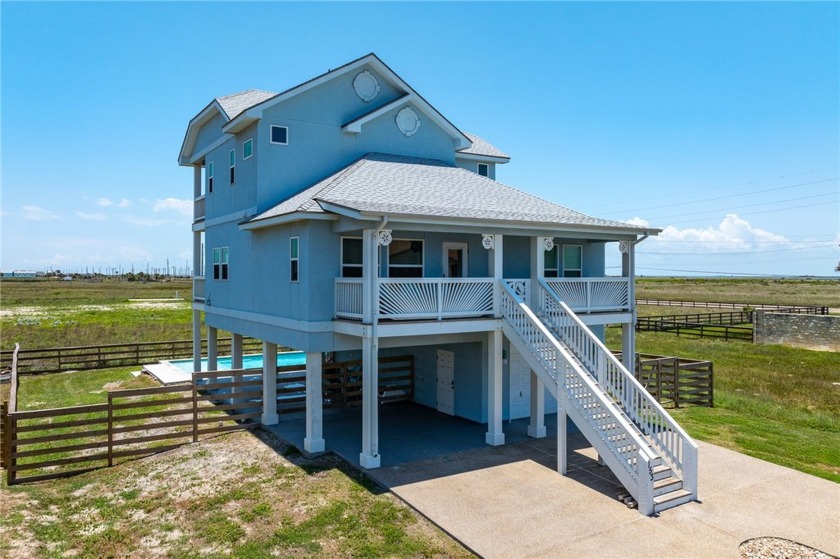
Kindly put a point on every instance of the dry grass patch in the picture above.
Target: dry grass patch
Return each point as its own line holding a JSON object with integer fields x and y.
{"x": 239, "y": 495}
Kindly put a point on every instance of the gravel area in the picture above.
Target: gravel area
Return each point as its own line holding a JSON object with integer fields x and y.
{"x": 779, "y": 548}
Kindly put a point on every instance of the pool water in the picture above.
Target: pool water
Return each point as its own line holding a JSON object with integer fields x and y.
{"x": 254, "y": 361}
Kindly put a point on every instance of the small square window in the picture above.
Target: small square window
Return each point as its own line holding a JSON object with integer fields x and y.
{"x": 248, "y": 148}
{"x": 484, "y": 169}
{"x": 294, "y": 259}
{"x": 279, "y": 135}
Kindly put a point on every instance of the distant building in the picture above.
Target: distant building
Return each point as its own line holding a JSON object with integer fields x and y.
{"x": 19, "y": 274}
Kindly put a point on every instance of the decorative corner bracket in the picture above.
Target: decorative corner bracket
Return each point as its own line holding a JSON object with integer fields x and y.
{"x": 624, "y": 247}
{"x": 385, "y": 237}
{"x": 548, "y": 242}
{"x": 488, "y": 241}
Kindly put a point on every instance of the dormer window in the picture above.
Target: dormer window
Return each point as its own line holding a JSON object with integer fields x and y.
{"x": 280, "y": 135}
{"x": 484, "y": 169}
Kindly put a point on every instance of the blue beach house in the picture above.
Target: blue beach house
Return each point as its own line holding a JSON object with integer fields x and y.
{"x": 346, "y": 216}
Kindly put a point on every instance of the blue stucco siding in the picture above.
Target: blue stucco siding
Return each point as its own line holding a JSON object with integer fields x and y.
{"x": 433, "y": 251}
{"x": 472, "y": 165}
{"x": 227, "y": 198}
{"x": 210, "y": 132}
{"x": 317, "y": 145}
{"x": 516, "y": 257}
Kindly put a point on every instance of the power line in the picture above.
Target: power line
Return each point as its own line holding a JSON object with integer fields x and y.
{"x": 722, "y": 197}
{"x": 834, "y": 194}
{"x": 642, "y": 247}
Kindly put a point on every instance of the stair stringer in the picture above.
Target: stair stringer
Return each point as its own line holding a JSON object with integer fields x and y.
{"x": 640, "y": 487}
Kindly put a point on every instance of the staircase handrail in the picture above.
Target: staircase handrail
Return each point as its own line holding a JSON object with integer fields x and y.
{"x": 642, "y": 472}
{"x": 678, "y": 448}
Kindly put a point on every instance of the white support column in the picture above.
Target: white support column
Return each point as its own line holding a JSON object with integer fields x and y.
{"x": 562, "y": 449}
{"x": 495, "y": 436}
{"x": 495, "y": 247}
{"x": 314, "y": 440}
{"x": 269, "y": 378}
{"x": 538, "y": 246}
{"x": 196, "y": 181}
{"x": 236, "y": 362}
{"x": 212, "y": 349}
{"x": 370, "y": 265}
{"x": 628, "y": 331}
{"x": 196, "y": 336}
{"x": 369, "y": 457}
{"x": 536, "y": 428}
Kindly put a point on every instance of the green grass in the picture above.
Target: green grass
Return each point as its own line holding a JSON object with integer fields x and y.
{"x": 58, "y": 390}
{"x": 55, "y": 293}
{"x": 776, "y": 403}
{"x": 808, "y": 292}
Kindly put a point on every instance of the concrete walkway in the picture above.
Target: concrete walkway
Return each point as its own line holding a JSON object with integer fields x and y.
{"x": 509, "y": 502}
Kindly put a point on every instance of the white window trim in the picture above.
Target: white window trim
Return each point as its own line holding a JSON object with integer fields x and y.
{"x": 465, "y": 247}
{"x": 232, "y": 161}
{"x": 557, "y": 263}
{"x": 245, "y": 143}
{"x": 343, "y": 265}
{"x": 271, "y": 135}
{"x": 294, "y": 259}
{"x": 478, "y": 169}
{"x": 562, "y": 261}
{"x": 422, "y": 264}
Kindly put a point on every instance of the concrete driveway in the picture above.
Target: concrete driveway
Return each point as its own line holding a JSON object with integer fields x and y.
{"x": 509, "y": 502}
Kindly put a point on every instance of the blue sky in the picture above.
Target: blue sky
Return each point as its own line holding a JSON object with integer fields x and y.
{"x": 717, "y": 122}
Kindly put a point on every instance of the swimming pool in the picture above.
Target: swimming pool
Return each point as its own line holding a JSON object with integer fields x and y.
{"x": 254, "y": 361}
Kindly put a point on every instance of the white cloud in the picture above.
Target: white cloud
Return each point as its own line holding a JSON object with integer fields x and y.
{"x": 97, "y": 216}
{"x": 107, "y": 202}
{"x": 37, "y": 213}
{"x": 183, "y": 207}
{"x": 733, "y": 234}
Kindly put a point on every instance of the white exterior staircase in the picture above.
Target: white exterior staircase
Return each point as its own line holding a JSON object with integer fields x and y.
{"x": 637, "y": 439}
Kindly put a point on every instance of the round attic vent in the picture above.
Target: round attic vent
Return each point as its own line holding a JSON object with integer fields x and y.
{"x": 366, "y": 86}
{"x": 407, "y": 121}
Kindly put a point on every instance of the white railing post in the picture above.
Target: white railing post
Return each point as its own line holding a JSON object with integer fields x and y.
{"x": 439, "y": 288}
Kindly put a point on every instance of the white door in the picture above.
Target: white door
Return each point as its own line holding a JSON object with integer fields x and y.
{"x": 446, "y": 382}
{"x": 520, "y": 386}
{"x": 455, "y": 260}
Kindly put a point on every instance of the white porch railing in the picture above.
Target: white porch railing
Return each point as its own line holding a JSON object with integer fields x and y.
{"x": 583, "y": 398}
{"x": 348, "y": 298}
{"x": 198, "y": 212}
{"x": 198, "y": 288}
{"x": 592, "y": 294}
{"x": 674, "y": 444}
{"x": 435, "y": 298}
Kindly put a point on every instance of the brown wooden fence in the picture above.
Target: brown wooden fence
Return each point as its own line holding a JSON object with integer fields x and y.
{"x": 676, "y": 381}
{"x": 60, "y": 359}
{"x": 793, "y": 309}
{"x": 679, "y": 325}
{"x": 52, "y": 443}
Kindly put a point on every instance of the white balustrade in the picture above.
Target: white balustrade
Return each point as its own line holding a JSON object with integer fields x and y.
{"x": 435, "y": 298}
{"x": 674, "y": 444}
{"x": 592, "y": 294}
{"x": 348, "y": 298}
{"x": 582, "y": 391}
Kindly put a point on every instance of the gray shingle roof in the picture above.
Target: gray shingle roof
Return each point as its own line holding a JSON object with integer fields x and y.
{"x": 482, "y": 147}
{"x": 391, "y": 184}
{"x": 234, "y": 104}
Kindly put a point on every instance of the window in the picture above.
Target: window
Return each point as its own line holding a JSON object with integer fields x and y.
{"x": 405, "y": 259}
{"x": 248, "y": 148}
{"x": 232, "y": 166}
{"x": 484, "y": 169}
{"x": 294, "y": 259}
{"x": 572, "y": 261}
{"x": 351, "y": 257}
{"x": 210, "y": 177}
{"x": 550, "y": 269}
{"x": 220, "y": 263}
{"x": 279, "y": 135}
